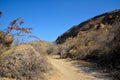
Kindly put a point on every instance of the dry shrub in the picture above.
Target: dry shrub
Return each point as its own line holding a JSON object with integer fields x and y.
{"x": 23, "y": 63}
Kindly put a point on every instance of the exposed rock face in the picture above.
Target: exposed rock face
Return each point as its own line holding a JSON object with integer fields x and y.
{"x": 5, "y": 39}
{"x": 23, "y": 63}
{"x": 94, "y": 23}
{"x": 97, "y": 38}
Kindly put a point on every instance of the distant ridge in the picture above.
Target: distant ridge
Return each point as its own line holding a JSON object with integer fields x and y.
{"x": 94, "y": 22}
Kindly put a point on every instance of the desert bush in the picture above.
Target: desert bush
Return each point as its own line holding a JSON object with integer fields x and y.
{"x": 40, "y": 46}
{"x": 23, "y": 63}
{"x": 52, "y": 48}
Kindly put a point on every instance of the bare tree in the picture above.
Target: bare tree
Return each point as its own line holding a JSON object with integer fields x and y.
{"x": 16, "y": 29}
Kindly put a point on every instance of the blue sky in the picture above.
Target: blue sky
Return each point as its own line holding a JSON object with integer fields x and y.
{"x": 51, "y": 18}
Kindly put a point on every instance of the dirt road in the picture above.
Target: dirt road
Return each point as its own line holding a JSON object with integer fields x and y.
{"x": 65, "y": 71}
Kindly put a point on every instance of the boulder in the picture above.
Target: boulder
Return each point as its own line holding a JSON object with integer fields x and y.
{"x": 6, "y": 39}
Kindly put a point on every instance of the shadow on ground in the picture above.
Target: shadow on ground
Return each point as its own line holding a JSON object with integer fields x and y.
{"x": 98, "y": 71}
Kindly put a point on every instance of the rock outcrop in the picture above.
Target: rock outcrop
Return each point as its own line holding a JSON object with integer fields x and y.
{"x": 95, "y": 23}
{"x": 96, "y": 39}
{"x": 6, "y": 39}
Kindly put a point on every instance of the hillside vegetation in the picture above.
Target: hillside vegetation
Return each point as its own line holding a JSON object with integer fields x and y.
{"x": 97, "y": 39}
{"x": 23, "y": 62}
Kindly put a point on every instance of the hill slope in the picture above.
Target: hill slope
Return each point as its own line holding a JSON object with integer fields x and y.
{"x": 97, "y": 22}
{"x": 97, "y": 39}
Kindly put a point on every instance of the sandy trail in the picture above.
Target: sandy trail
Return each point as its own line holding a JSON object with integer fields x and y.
{"x": 65, "y": 71}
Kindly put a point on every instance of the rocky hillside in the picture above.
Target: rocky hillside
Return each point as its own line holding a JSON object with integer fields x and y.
{"x": 93, "y": 24}
{"x": 96, "y": 39}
